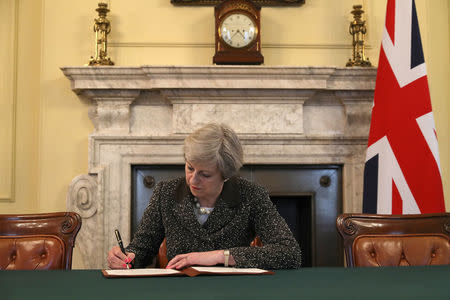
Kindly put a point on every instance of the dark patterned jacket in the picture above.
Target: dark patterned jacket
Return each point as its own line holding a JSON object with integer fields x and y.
{"x": 243, "y": 211}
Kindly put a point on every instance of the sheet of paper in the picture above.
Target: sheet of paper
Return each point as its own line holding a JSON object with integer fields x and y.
{"x": 229, "y": 270}
{"x": 142, "y": 272}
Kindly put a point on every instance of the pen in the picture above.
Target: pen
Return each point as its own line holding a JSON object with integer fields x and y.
{"x": 119, "y": 240}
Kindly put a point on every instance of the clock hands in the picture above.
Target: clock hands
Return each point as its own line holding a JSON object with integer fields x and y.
{"x": 241, "y": 34}
{"x": 238, "y": 31}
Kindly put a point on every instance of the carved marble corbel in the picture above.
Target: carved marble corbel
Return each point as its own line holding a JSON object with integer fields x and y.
{"x": 85, "y": 198}
{"x": 111, "y": 110}
{"x": 358, "y": 109}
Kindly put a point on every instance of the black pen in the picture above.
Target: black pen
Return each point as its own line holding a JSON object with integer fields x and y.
{"x": 119, "y": 240}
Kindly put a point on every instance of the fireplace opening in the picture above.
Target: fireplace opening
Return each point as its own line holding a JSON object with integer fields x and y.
{"x": 297, "y": 212}
{"x": 309, "y": 198}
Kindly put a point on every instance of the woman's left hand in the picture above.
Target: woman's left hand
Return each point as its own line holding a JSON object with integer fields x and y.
{"x": 209, "y": 258}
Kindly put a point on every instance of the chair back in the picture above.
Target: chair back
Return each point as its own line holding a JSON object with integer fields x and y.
{"x": 161, "y": 259}
{"x": 38, "y": 241}
{"x": 395, "y": 240}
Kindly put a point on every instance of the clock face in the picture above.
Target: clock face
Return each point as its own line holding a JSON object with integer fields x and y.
{"x": 238, "y": 30}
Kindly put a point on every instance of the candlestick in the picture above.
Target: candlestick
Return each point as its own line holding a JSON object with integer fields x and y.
{"x": 358, "y": 29}
{"x": 102, "y": 28}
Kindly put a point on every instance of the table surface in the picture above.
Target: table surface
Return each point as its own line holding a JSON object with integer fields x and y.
{"x": 307, "y": 283}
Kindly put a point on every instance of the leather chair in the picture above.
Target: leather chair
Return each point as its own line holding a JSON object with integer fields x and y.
{"x": 38, "y": 241}
{"x": 161, "y": 259}
{"x": 395, "y": 240}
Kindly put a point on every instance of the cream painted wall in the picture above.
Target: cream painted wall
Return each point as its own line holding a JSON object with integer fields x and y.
{"x": 22, "y": 69}
{"x": 47, "y": 135}
{"x": 437, "y": 52}
{"x": 7, "y": 99}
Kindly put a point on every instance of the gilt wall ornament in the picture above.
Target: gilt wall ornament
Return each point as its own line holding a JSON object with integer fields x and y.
{"x": 257, "y": 2}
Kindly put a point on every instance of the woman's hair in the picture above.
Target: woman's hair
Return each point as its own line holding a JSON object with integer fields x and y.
{"x": 215, "y": 143}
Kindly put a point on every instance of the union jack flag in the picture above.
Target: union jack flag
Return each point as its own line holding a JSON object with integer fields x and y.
{"x": 402, "y": 171}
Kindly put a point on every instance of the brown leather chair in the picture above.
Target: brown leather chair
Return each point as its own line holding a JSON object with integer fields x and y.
{"x": 38, "y": 241}
{"x": 161, "y": 259}
{"x": 395, "y": 240}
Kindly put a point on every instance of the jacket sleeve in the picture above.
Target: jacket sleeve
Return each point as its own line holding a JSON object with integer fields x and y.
{"x": 280, "y": 249}
{"x": 150, "y": 232}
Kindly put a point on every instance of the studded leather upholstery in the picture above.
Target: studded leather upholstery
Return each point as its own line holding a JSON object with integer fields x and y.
{"x": 395, "y": 240}
{"x": 40, "y": 241}
{"x": 32, "y": 252}
{"x": 406, "y": 250}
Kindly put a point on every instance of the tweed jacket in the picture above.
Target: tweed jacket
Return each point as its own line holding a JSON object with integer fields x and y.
{"x": 242, "y": 211}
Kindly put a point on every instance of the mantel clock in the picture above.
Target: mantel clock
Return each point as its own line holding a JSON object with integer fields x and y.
{"x": 238, "y": 33}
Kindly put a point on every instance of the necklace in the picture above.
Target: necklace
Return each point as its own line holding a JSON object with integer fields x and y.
{"x": 202, "y": 210}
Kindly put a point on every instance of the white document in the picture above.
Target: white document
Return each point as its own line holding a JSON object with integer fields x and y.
{"x": 229, "y": 270}
{"x": 142, "y": 272}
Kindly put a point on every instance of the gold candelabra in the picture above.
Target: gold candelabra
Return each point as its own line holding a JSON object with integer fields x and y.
{"x": 358, "y": 29}
{"x": 102, "y": 28}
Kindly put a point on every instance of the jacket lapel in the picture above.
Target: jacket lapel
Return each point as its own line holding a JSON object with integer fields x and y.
{"x": 184, "y": 210}
{"x": 226, "y": 206}
{"x": 223, "y": 213}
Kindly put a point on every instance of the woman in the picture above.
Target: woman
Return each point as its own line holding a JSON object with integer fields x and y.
{"x": 210, "y": 216}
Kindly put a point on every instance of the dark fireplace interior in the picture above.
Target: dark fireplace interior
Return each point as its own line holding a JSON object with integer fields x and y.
{"x": 308, "y": 197}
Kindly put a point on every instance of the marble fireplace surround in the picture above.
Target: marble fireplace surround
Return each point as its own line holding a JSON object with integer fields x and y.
{"x": 283, "y": 115}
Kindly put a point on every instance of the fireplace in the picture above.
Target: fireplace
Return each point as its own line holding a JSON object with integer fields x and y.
{"x": 288, "y": 118}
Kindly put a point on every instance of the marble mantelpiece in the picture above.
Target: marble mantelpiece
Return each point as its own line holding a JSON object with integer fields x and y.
{"x": 283, "y": 115}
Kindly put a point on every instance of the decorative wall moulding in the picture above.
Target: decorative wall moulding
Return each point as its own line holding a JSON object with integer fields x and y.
{"x": 258, "y": 2}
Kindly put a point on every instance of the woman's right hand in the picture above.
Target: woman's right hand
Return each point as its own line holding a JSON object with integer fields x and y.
{"x": 118, "y": 260}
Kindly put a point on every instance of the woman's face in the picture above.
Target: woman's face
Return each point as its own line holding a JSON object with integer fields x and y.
{"x": 204, "y": 180}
